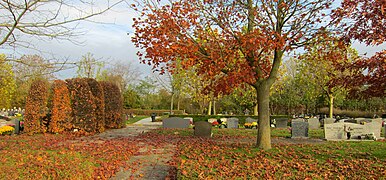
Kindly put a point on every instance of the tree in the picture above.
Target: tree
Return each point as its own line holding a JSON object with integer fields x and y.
{"x": 121, "y": 74}
{"x": 89, "y": 67}
{"x": 54, "y": 19}
{"x": 7, "y": 83}
{"x": 27, "y": 69}
{"x": 363, "y": 20}
{"x": 231, "y": 42}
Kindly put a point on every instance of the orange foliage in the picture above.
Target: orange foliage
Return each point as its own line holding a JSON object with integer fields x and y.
{"x": 36, "y": 108}
{"x": 99, "y": 100}
{"x": 113, "y": 105}
{"x": 60, "y": 108}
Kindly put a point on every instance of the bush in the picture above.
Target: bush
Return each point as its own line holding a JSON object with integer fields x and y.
{"x": 147, "y": 112}
{"x": 60, "y": 106}
{"x": 99, "y": 100}
{"x": 82, "y": 104}
{"x": 35, "y": 117}
{"x": 241, "y": 118}
{"x": 113, "y": 105}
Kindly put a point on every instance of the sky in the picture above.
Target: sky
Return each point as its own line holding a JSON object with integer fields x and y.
{"x": 109, "y": 41}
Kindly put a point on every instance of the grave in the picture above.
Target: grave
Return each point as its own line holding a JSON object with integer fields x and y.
{"x": 298, "y": 120}
{"x": 250, "y": 120}
{"x": 299, "y": 129}
{"x": 202, "y": 129}
{"x": 281, "y": 123}
{"x": 190, "y": 119}
{"x": 339, "y": 131}
{"x": 328, "y": 121}
{"x": 313, "y": 123}
{"x": 211, "y": 120}
{"x": 175, "y": 122}
{"x": 233, "y": 123}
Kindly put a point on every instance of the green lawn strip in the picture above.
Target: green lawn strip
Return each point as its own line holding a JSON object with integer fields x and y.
{"x": 316, "y": 161}
{"x": 135, "y": 119}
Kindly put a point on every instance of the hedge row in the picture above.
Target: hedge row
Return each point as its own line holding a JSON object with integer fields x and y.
{"x": 148, "y": 112}
{"x": 60, "y": 108}
{"x": 114, "y": 105}
{"x": 80, "y": 103}
{"x": 240, "y": 117}
{"x": 36, "y": 108}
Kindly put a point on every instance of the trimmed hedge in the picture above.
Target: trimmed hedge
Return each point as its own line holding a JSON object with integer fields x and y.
{"x": 35, "y": 117}
{"x": 60, "y": 108}
{"x": 241, "y": 117}
{"x": 113, "y": 105}
{"x": 99, "y": 100}
{"x": 147, "y": 112}
{"x": 83, "y": 105}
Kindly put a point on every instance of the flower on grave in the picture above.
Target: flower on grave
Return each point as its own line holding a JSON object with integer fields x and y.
{"x": 6, "y": 130}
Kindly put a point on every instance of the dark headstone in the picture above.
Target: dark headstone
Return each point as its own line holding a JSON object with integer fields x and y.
{"x": 233, "y": 123}
{"x": 17, "y": 126}
{"x": 250, "y": 120}
{"x": 299, "y": 129}
{"x": 281, "y": 122}
{"x": 175, "y": 122}
{"x": 202, "y": 129}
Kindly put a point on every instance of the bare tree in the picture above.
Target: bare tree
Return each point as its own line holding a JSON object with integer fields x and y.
{"x": 54, "y": 19}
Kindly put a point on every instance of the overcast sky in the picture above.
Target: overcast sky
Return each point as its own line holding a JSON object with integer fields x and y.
{"x": 109, "y": 41}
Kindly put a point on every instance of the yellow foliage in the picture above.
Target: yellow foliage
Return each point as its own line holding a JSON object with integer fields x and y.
{"x": 6, "y": 129}
{"x": 7, "y": 83}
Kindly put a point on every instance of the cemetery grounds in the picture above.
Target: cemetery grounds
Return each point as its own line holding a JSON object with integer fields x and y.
{"x": 135, "y": 151}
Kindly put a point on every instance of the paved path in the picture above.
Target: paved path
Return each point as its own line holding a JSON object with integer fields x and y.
{"x": 151, "y": 160}
{"x": 147, "y": 121}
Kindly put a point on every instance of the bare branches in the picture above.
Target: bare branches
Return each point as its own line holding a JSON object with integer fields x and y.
{"x": 54, "y": 19}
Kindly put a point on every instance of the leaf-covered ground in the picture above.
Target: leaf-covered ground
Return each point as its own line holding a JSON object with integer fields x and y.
{"x": 230, "y": 154}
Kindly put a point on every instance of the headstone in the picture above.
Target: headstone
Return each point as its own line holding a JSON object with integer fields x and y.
{"x": 298, "y": 120}
{"x": 299, "y": 129}
{"x": 250, "y": 120}
{"x": 328, "y": 121}
{"x": 202, "y": 129}
{"x": 342, "y": 131}
{"x": 313, "y": 123}
{"x": 233, "y": 123}
{"x": 17, "y": 126}
{"x": 281, "y": 123}
{"x": 3, "y": 122}
{"x": 175, "y": 122}
{"x": 211, "y": 120}
{"x": 190, "y": 119}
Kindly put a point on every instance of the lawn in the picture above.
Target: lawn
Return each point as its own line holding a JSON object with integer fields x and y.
{"x": 229, "y": 154}
{"x": 135, "y": 119}
{"x": 62, "y": 157}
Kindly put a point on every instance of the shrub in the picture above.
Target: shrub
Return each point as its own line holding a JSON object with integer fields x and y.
{"x": 60, "y": 106}
{"x": 99, "y": 100}
{"x": 36, "y": 108}
{"x": 6, "y": 130}
{"x": 113, "y": 105}
{"x": 82, "y": 104}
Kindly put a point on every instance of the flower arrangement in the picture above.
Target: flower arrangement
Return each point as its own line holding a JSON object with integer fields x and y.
{"x": 6, "y": 130}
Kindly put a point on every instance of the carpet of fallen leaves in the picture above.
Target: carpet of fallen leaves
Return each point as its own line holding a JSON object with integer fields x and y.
{"x": 230, "y": 154}
{"x": 49, "y": 156}
{"x": 221, "y": 157}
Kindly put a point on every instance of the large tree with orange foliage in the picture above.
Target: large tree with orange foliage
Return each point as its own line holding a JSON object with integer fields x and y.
{"x": 364, "y": 21}
{"x": 230, "y": 42}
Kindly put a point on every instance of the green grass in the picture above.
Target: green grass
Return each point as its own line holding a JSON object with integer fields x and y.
{"x": 135, "y": 119}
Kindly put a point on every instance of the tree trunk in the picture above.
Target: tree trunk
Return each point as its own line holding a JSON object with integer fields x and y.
{"x": 171, "y": 104}
{"x": 264, "y": 130}
{"x": 210, "y": 108}
{"x": 214, "y": 107}
{"x": 331, "y": 108}
{"x": 255, "y": 110}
